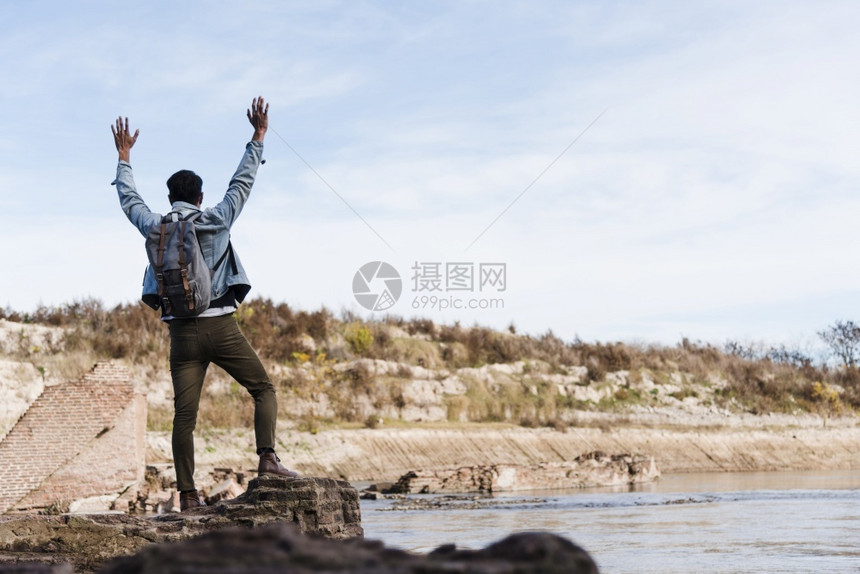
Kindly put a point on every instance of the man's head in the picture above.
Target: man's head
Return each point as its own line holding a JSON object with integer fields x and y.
{"x": 185, "y": 186}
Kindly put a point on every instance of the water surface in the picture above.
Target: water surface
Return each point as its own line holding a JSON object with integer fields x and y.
{"x": 714, "y": 522}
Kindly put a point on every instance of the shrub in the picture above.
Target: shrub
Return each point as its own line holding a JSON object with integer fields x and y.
{"x": 359, "y": 337}
{"x": 308, "y": 345}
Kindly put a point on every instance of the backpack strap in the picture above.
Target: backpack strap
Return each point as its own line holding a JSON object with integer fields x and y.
{"x": 193, "y": 216}
{"x": 183, "y": 266}
{"x": 224, "y": 256}
{"x": 159, "y": 265}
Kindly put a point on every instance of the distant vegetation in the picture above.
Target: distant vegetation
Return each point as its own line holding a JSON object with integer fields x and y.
{"x": 756, "y": 379}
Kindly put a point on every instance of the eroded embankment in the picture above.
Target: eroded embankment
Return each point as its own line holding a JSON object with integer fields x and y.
{"x": 386, "y": 454}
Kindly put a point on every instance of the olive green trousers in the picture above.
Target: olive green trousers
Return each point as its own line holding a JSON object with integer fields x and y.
{"x": 194, "y": 344}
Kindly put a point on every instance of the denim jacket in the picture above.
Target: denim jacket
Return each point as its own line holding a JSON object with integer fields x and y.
{"x": 213, "y": 226}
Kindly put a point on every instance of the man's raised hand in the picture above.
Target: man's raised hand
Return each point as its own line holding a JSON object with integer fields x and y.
{"x": 123, "y": 139}
{"x": 258, "y": 115}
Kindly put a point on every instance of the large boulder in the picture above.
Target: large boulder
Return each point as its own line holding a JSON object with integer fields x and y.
{"x": 281, "y": 548}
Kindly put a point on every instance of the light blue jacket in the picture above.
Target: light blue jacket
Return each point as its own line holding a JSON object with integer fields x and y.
{"x": 213, "y": 226}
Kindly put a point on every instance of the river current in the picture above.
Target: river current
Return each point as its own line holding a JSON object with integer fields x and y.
{"x": 715, "y": 522}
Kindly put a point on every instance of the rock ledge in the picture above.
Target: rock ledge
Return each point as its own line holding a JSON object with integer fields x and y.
{"x": 316, "y": 506}
{"x": 590, "y": 469}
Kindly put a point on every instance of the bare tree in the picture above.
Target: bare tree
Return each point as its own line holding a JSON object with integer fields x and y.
{"x": 843, "y": 338}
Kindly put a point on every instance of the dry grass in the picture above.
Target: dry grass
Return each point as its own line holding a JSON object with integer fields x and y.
{"x": 306, "y": 346}
{"x": 527, "y": 403}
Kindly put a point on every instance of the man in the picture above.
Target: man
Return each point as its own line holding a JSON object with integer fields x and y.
{"x": 213, "y": 336}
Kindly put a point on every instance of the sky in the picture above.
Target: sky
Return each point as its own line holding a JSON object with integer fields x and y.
{"x": 613, "y": 171}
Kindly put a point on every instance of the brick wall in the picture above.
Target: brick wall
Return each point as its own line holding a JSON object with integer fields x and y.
{"x": 79, "y": 439}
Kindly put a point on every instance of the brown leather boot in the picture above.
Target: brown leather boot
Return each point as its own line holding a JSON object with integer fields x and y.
{"x": 271, "y": 464}
{"x": 189, "y": 500}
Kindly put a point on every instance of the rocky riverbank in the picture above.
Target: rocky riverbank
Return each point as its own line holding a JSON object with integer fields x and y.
{"x": 315, "y": 506}
{"x": 767, "y": 443}
{"x": 263, "y": 530}
{"x": 374, "y": 420}
{"x": 590, "y": 469}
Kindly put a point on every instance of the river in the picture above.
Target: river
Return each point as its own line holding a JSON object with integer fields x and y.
{"x": 716, "y": 522}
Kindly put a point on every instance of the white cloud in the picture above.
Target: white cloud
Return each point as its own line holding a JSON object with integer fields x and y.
{"x": 715, "y": 194}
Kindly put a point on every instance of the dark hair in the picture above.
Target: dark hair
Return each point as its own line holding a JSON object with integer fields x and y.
{"x": 185, "y": 185}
